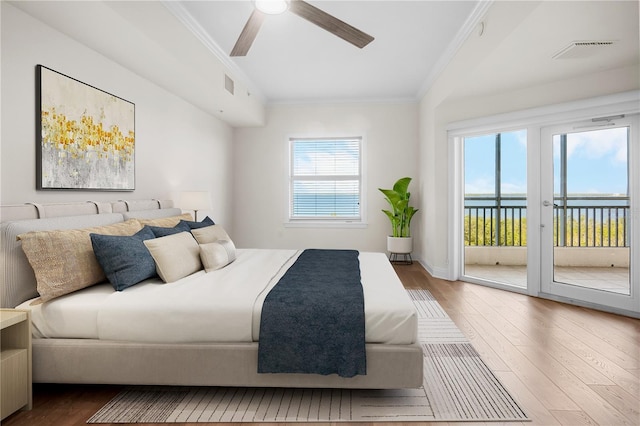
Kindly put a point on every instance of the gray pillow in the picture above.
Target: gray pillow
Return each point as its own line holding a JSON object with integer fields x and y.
{"x": 160, "y": 231}
{"x": 207, "y": 221}
{"x": 126, "y": 261}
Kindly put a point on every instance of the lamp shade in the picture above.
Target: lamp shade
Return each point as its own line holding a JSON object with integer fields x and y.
{"x": 195, "y": 200}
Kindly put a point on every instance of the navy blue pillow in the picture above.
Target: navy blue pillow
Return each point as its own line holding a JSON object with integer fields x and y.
{"x": 125, "y": 260}
{"x": 207, "y": 221}
{"x": 159, "y": 231}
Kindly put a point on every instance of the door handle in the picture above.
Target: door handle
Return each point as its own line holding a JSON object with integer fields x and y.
{"x": 546, "y": 203}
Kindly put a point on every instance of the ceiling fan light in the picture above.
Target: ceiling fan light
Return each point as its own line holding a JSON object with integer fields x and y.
{"x": 272, "y": 7}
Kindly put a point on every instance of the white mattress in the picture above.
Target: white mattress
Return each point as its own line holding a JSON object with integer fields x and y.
{"x": 219, "y": 306}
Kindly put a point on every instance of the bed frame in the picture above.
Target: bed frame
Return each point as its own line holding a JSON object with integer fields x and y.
{"x": 112, "y": 362}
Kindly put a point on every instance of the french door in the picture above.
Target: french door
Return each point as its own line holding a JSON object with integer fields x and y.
{"x": 495, "y": 205}
{"x": 570, "y": 231}
{"x": 589, "y": 212}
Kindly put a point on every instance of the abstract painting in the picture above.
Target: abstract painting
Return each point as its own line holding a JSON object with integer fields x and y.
{"x": 85, "y": 136}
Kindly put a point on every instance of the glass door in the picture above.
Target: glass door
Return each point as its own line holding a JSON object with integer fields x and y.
{"x": 588, "y": 197}
{"x": 495, "y": 208}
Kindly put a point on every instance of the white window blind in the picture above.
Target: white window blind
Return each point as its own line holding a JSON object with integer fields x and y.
{"x": 325, "y": 179}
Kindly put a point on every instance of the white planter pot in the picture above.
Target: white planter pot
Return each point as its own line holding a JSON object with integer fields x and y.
{"x": 400, "y": 244}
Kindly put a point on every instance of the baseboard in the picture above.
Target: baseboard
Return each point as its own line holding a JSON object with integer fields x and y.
{"x": 590, "y": 305}
{"x": 441, "y": 273}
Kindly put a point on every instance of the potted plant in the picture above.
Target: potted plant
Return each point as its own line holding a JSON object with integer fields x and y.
{"x": 400, "y": 240}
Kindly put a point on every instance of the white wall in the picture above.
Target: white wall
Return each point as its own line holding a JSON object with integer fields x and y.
{"x": 261, "y": 170}
{"x": 178, "y": 146}
{"x": 439, "y": 108}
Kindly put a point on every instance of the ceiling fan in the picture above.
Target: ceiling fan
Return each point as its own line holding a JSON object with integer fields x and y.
{"x": 302, "y": 9}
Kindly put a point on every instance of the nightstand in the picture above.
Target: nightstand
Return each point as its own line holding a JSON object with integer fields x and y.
{"x": 15, "y": 361}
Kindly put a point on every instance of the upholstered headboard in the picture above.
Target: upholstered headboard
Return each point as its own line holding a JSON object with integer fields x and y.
{"x": 18, "y": 280}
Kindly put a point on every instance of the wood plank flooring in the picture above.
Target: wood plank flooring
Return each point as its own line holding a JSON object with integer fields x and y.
{"x": 566, "y": 365}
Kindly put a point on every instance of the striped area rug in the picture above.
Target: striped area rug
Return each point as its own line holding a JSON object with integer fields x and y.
{"x": 458, "y": 386}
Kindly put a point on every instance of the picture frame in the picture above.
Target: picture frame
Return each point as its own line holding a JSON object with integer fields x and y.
{"x": 85, "y": 136}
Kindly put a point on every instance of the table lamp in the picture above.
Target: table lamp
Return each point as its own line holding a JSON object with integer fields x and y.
{"x": 195, "y": 200}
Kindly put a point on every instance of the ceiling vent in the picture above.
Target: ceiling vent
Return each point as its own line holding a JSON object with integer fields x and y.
{"x": 229, "y": 85}
{"x": 582, "y": 49}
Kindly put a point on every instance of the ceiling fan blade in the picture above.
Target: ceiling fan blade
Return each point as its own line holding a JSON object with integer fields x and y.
{"x": 248, "y": 34}
{"x": 330, "y": 23}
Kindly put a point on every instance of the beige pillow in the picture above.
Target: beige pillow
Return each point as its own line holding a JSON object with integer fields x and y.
{"x": 176, "y": 255}
{"x": 63, "y": 261}
{"x": 217, "y": 254}
{"x": 166, "y": 222}
{"x": 210, "y": 234}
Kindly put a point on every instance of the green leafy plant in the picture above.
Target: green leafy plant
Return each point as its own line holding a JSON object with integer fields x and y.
{"x": 401, "y": 212}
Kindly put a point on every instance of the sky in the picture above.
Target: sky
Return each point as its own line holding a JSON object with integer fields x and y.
{"x": 596, "y": 162}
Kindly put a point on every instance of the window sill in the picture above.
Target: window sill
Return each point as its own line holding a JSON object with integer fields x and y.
{"x": 325, "y": 224}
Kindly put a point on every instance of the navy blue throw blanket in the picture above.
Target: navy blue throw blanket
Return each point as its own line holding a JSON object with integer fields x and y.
{"x": 313, "y": 319}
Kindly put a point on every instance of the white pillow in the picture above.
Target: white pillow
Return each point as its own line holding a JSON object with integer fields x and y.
{"x": 217, "y": 254}
{"x": 176, "y": 255}
{"x": 210, "y": 234}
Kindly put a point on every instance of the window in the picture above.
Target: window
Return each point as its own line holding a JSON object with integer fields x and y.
{"x": 495, "y": 202}
{"x": 495, "y": 207}
{"x": 325, "y": 183}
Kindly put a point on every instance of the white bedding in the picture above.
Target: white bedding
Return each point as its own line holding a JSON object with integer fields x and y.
{"x": 219, "y": 306}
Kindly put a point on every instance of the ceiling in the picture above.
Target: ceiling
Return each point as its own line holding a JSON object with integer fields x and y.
{"x": 487, "y": 47}
{"x": 523, "y": 57}
{"x": 292, "y": 60}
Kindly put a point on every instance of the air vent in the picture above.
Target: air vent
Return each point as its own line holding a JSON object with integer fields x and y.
{"x": 229, "y": 85}
{"x": 582, "y": 49}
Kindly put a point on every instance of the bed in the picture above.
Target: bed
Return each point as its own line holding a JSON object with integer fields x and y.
{"x": 201, "y": 328}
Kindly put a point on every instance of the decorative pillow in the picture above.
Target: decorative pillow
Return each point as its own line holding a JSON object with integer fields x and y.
{"x": 207, "y": 221}
{"x": 210, "y": 234}
{"x": 176, "y": 256}
{"x": 63, "y": 261}
{"x": 217, "y": 255}
{"x": 166, "y": 222}
{"x": 160, "y": 231}
{"x": 125, "y": 260}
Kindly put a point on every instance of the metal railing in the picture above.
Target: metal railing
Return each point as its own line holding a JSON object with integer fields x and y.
{"x": 492, "y": 223}
{"x": 577, "y": 222}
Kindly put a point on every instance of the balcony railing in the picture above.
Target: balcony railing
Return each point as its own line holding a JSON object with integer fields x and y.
{"x": 577, "y": 221}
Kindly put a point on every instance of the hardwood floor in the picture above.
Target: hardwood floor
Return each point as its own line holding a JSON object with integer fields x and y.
{"x": 566, "y": 365}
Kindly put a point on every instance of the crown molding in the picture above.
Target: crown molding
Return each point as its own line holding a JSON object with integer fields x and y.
{"x": 341, "y": 101}
{"x": 178, "y": 10}
{"x": 461, "y": 37}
